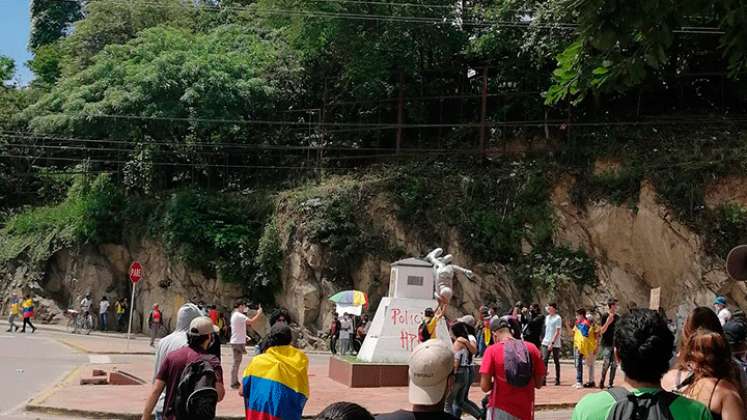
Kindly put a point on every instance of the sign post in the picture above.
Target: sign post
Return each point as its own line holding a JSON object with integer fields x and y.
{"x": 136, "y": 273}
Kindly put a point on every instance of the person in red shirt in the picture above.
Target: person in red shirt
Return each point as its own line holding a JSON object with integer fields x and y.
{"x": 508, "y": 401}
{"x": 213, "y": 314}
{"x": 154, "y": 322}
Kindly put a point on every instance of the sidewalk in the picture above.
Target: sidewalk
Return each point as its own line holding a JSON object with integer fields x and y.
{"x": 126, "y": 402}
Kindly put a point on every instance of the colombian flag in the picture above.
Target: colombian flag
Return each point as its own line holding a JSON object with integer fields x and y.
{"x": 276, "y": 384}
{"x": 28, "y": 308}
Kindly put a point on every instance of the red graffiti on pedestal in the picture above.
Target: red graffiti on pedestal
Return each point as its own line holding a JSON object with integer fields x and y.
{"x": 408, "y": 322}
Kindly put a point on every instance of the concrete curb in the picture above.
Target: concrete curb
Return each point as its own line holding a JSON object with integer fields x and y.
{"x": 82, "y": 349}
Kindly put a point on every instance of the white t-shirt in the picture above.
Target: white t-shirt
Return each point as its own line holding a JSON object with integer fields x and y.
{"x": 346, "y": 328}
{"x": 103, "y": 306}
{"x": 238, "y": 328}
{"x": 552, "y": 324}
{"x": 724, "y": 315}
{"x": 85, "y": 305}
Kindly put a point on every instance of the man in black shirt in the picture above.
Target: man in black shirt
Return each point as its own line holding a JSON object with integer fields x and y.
{"x": 608, "y": 333}
{"x": 535, "y": 324}
{"x": 431, "y": 367}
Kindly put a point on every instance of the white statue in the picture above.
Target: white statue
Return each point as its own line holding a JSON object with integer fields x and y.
{"x": 445, "y": 274}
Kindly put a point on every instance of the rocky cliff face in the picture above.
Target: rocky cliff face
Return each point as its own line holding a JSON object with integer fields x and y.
{"x": 635, "y": 249}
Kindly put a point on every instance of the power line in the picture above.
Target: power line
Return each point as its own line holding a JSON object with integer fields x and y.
{"x": 406, "y": 19}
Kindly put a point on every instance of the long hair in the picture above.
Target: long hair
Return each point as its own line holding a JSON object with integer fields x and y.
{"x": 700, "y": 317}
{"x": 460, "y": 330}
{"x": 706, "y": 353}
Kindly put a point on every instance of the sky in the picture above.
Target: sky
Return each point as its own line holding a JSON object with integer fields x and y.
{"x": 15, "y": 26}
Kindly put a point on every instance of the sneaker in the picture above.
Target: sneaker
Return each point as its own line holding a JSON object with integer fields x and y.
{"x": 578, "y": 385}
{"x": 557, "y": 383}
{"x": 590, "y": 385}
{"x": 235, "y": 386}
{"x": 601, "y": 385}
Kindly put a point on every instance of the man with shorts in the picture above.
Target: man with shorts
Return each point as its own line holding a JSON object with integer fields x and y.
{"x": 239, "y": 322}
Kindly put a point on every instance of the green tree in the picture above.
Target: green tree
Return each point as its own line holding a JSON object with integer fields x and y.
{"x": 622, "y": 44}
{"x": 7, "y": 68}
{"x": 51, "y": 19}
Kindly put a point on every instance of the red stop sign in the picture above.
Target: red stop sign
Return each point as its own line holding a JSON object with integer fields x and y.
{"x": 136, "y": 272}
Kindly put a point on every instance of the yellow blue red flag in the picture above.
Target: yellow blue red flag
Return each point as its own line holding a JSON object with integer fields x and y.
{"x": 276, "y": 384}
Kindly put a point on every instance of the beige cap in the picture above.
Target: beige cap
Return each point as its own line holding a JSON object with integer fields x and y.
{"x": 430, "y": 363}
{"x": 202, "y": 325}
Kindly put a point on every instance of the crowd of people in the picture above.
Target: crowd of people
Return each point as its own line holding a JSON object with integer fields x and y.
{"x": 699, "y": 372}
{"x": 347, "y": 333}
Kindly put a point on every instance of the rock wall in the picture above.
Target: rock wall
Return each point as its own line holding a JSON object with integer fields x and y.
{"x": 640, "y": 248}
{"x": 636, "y": 249}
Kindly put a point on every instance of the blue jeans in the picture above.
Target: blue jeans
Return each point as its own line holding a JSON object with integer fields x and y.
{"x": 104, "y": 321}
{"x": 463, "y": 380}
{"x": 579, "y": 367}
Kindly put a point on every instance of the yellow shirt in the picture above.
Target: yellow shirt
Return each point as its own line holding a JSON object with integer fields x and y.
{"x": 15, "y": 309}
{"x": 119, "y": 308}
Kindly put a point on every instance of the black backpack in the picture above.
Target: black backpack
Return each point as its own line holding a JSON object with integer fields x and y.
{"x": 196, "y": 396}
{"x": 647, "y": 406}
{"x": 423, "y": 334}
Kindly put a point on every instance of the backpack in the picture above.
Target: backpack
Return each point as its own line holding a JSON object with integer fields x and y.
{"x": 196, "y": 396}
{"x": 517, "y": 363}
{"x": 629, "y": 406}
{"x": 423, "y": 334}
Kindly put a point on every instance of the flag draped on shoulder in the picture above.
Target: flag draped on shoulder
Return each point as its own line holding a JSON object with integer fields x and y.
{"x": 276, "y": 384}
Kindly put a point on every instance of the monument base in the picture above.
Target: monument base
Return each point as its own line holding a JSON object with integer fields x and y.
{"x": 356, "y": 374}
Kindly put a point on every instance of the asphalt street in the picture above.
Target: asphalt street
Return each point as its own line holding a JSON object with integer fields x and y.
{"x": 30, "y": 364}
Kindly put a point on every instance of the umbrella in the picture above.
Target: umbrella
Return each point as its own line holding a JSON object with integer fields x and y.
{"x": 350, "y": 297}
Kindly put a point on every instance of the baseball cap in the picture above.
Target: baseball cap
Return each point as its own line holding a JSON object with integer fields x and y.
{"x": 467, "y": 319}
{"x": 720, "y": 300}
{"x": 202, "y": 325}
{"x": 429, "y": 312}
{"x": 735, "y": 332}
{"x": 506, "y": 321}
{"x": 430, "y": 365}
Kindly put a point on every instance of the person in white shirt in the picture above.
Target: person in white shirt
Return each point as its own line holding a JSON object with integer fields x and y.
{"x": 85, "y": 304}
{"x": 346, "y": 334}
{"x": 239, "y": 322}
{"x": 722, "y": 311}
{"x": 551, "y": 340}
{"x": 104, "y": 314}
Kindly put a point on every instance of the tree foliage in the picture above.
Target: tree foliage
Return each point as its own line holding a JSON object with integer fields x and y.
{"x": 621, "y": 44}
{"x": 51, "y": 20}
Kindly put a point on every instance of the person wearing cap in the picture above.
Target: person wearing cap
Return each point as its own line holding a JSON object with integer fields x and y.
{"x": 174, "y": 341}
{"x": 735, "y": 331}
{"x": 155, "y": 318}
{"x": 199, "y": 337}
{"x": 721, "y": 310}
{"x": 431, "y": 370}
{"x": 507, "y": 401}
{"x": 427, "y": 328}
{"x": 608, "y": 342}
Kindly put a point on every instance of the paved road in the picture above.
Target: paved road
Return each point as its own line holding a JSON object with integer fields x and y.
{"x": 29, "y": 364}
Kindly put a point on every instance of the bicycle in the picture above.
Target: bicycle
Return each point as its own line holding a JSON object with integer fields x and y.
{"x": 78, "y": 323}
